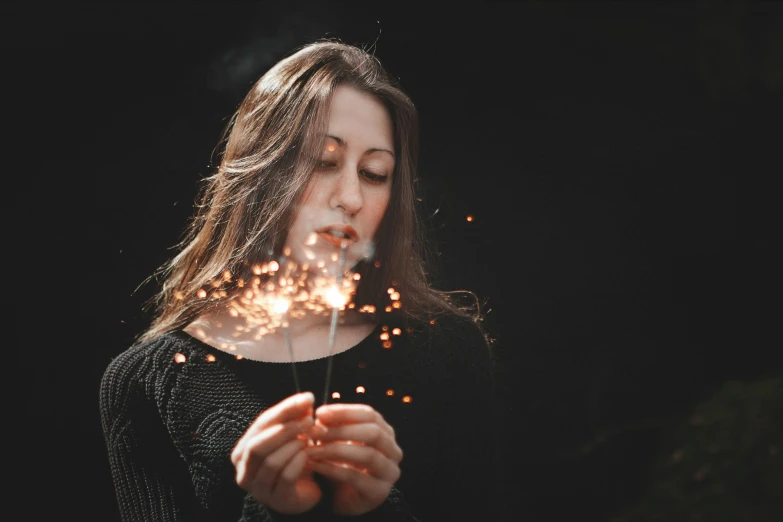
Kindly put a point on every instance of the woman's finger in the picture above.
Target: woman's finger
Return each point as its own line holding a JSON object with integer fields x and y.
{"x": 273, "y": 465}
{"x": 254, "y": 452}
{"x": 367, "y": 486}
{"x": 370, "y": 434}
{"x": 291, "y": 408}
{"x": 358, "y": 457}
{"x": 292, "y": 471}
{"x": 331, "y": 414}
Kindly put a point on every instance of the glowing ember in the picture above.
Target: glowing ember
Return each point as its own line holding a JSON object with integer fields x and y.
{"x": 335, "y": 298}
{"x": 407, "y": 399}
{"x": 390, "y": 392}
{"x": 280, "y": 305}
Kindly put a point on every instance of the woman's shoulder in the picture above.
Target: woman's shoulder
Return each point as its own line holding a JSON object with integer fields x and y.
{"x": 143, "y": 366}
{"x": 146, "y": 356}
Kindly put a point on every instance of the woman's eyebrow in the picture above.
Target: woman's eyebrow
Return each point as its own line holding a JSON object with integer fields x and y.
{"x": 341, "y": 143}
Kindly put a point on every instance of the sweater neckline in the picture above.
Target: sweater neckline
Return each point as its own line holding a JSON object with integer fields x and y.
{"x": 223, "y": 354}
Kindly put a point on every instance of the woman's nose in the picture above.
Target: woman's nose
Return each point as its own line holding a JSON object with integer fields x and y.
{"x": 347, "y": 192}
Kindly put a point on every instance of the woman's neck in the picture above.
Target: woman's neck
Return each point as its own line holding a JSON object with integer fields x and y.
{"x": 308, "y": 335}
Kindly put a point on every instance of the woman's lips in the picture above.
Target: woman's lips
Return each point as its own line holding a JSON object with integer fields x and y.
{"x": 334, "y": 240}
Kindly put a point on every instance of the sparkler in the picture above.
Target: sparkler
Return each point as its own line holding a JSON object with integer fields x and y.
{"x": 282, "y": 290}
{"x": 333, "y": 326}
{"x": 268, "y": 305}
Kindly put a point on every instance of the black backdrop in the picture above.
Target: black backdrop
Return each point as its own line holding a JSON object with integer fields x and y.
{"x": 619, "y": 160}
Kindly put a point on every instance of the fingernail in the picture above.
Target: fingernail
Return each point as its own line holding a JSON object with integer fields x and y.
{"x": 318, "y": 431}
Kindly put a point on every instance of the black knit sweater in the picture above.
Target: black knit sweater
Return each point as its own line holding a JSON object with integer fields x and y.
{"x": 172, "y": 409}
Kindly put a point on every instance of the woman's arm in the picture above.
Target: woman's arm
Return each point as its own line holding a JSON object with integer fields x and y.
{"x": 151, "y": 481}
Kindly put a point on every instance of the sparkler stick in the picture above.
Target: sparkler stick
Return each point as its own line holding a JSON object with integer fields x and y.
{"x": 291, "y": 353}
{"x": 287, "y": 334}
{"x": 333, "y": 326}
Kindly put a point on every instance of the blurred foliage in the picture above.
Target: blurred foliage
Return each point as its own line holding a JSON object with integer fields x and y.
{"x": 724, "y": 463}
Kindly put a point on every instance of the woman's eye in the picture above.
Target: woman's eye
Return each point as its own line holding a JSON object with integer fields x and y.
{"x": 369, "y": 175}
{"x": 373, "y": 177}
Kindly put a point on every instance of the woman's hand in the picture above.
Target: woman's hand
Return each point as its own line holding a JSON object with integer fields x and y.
{"x": 269, "y": 457}
{"x": 356, "y": 450}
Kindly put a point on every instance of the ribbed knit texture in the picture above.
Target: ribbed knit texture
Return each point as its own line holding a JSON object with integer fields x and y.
{"x": 170, "y": 426}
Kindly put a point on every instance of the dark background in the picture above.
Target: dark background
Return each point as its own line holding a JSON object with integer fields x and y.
{"x": 619, "y": 159}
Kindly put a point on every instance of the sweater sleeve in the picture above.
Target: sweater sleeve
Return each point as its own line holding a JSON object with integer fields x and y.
{"x": 149, "y": 477}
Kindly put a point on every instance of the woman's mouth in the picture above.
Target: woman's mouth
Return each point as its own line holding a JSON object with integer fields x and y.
{"x": 338, "y": 235}
{"x": 335, "y": 238}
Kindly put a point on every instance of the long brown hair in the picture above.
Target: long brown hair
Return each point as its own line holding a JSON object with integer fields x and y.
{"x": 247, "y": 205}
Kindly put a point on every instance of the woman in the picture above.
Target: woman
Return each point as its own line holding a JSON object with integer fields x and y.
{"x": 315, "y": 190}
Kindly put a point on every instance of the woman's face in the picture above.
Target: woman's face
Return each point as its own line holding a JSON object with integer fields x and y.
{"x": 350, "y": 189}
